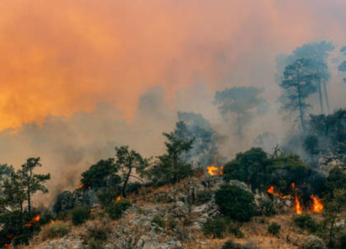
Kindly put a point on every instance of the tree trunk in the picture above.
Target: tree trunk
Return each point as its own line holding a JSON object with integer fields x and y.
{"x": 300, "y": 102}
{"x": 326, "y": 95}
{"x": 123, "y": 191}
{"x": 319, "y": 87}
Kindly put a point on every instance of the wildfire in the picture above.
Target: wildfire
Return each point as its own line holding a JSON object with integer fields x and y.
{"x": 118, "y": 198}
{"x": 215, "y": 171}
{"x": 7, "y": 245}
{"x": 92, "y": 211}
{"x": 80, "y": 187}
{"x": 34, "y": 221}
{"x": 317, "y": 205}
{"x": 297, "y": 207}
{"x": 281, "y": 196}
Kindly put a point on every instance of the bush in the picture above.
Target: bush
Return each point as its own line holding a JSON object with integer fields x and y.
{"x": 116, "y": 209}
{"x": 231, "y": 245}
{"x": 305, "y": 221}
{"x": 158, "y": 221}
{"x": 266, "y": 207}
{"x": 203, "y": 196}
{"x": 80, "y": 215}
{"x": 56, "y": 230}
{"x": 274, "y": 228}
{"x": 313, "y": 242}
{"x": 235, "y": 230}
{"x": 215, "y": 228}
{"x": 98, "y": 232}
{"x": 235, "y": 202}
{"x": 95, "y": 244}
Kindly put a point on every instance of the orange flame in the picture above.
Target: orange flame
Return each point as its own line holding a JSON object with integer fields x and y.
{"x": 214, "y": 170}
{"x": 297, "y": 207}
{"x": 118, "y": 198}
{"x": 34, "y": 221}
{"x": 92, "y": 211}
{"x": 281, "y": 196}
{"x": 317, "y": 205}
{"x": 7, "y": 245}
{"x": 80, "y": 187}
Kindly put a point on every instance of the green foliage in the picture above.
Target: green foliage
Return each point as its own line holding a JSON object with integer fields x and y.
{"x": 116, "y": 209}
{"x": 98, "y": 232}
{"x": 235, "y": 202}
{"x": 172, "y": 167}
{"x": 95, "y": 244}
{"x": 235, "y": 230}
{"x": 56, "y": 230}
{"x": 101, "y": 174}
{"x": 129, "y": 162}
{"x": 255, "y": 167}
{"x": 230, "y": 244}
{"x": 80, "y": 215}
{"x": 305, "y": 221}
{"x": 108, "y": 195}
{"x": 298, "y": 85}
{"x": 215, "y": 228}
{"x": 311, "y": 145}
{"x": 313, "y": 242}
{"x": 274, "y": 228}
{"x": 335, "y": 180}
{"x": 158, "y": 221}
{"x": 266, "y": 207}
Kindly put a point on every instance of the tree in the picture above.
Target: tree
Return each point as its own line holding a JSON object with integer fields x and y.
{"x": 297, "y": 86}
{"x": 243, "y": 102}
{"x": 194, "y": 126}
{"x": 317, "y": 53}
{"x": 5, "y": 171}
{"x": 342, "y": 66}
{"x": 129, "y": 161}
{"x": 101, "y": 174}
{"x": 172, "y": 167}
{"x": 32, "y": 182}
{"x": 235, "y": 203}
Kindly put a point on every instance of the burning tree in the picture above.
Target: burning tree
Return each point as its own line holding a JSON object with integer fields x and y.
{"x": 17, "y": 218}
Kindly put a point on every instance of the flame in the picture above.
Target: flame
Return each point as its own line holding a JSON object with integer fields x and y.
{"x": 80, "y": 187}
{"x": 297, "y": 206}
{"x": 317, "y": 205}
{"x": 214, "y": 170}
{"x": 281, "y": 196}
{"x": 92, "y": 211}
{"x": 52, "y": 222}
{"x": 7, "y": 245}
{"x": 34, "y": 221}
{"x": 118, "y": 198}
{"x": 10, "y": 236}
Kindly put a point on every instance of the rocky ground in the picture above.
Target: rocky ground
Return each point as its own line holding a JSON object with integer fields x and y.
{"x": 183, "y": 208}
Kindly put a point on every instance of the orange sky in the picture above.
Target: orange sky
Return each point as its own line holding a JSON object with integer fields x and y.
{"x": 58, "y": 57}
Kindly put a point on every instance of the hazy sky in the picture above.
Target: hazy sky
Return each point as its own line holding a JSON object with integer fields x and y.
{"x": 60, "y": 57}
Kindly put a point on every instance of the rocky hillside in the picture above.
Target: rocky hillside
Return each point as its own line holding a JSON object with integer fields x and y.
{"x": 172, "y": 217}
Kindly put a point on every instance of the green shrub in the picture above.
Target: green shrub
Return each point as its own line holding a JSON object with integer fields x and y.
{"x": 235, "y": 202}
{"x": 305, "y": 221}
{"x": 80, "y": 215}
{"x": 215, "y": 228}
{"x": 158, "y": 221}
{"x": 95, "y": 244}
{"x": 56, "y": 230}
{"x": 235, "y": 230}
{"x": 203, "y": 196}
{"x": 116, "y": 209}
{"x": 274, "y": 228}
{"x": 98, "y": 232}
{"x": 231, "y": 245}
{"x": 266, "y": 207}
{"x": 313, "y": 242}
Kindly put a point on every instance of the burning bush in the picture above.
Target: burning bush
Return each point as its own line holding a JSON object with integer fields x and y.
{"x": 116, "y": 209}
{"x": 235, "y": 202}
{"x": 80, "y": 215}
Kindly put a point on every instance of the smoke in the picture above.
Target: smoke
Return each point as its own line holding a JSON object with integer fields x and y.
{"x": 144, "y": 61}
